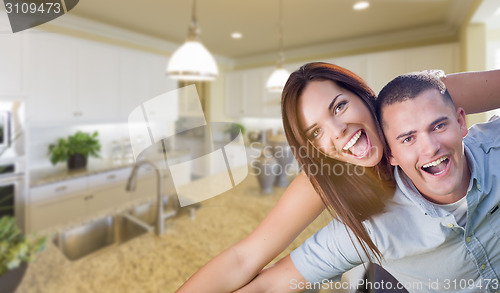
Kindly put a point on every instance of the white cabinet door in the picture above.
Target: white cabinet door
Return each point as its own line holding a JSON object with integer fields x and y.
{"x": 243, "y": 93}
{"x": 58, "y": 212}
{"x": 444, "y": 57}
{"x": 159, "y": 81}
{"x": 145, "y": 187}
{"x": 234, "y": 94}
{"x": 11, "y": 63}
{"x": 58, "y": 203}
{"x": 50, "y": 78}
{"x": 135, "y": 86}
{"x": 108, "y": 190}
{"x": 253, "y": 85}
{"x": 97, "y": 81}
{"x": 356, "y": 64}
{"x": 107, "y": 198}
{"x": 271, "y": 101}
{"x": 383, "y": 67}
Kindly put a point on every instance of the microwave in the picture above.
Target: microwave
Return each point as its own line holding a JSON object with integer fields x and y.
{"x": 4, "y": 130}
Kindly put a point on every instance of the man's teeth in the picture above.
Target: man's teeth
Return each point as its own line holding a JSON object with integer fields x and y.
{"x": 353, "y": 140}
{"x": 435, "y": 163}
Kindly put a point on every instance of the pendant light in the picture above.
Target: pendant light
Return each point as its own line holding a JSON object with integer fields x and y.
{"x": 278, "y": 78}
{"x": 192, "y": 61}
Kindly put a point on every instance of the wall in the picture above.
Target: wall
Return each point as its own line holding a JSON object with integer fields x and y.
{"x": 40, "y": 138}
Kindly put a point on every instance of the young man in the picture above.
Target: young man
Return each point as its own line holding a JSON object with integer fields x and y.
{"x": 441, "y": 231}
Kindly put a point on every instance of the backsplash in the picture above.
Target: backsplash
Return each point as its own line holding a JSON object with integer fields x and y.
{"x": 40, "y": 138}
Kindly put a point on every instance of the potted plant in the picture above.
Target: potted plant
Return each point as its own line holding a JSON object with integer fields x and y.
{"x": 234, "y": 129}
{"x": 16, "y": 251}
{"x": 75, "y": 149}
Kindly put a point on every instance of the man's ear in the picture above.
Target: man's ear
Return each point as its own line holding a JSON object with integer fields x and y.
{"x": 461, "y": 121}
{"x": 392, "y": 160}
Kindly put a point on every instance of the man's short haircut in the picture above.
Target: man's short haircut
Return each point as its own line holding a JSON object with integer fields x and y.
{"x": 409, "y": 86}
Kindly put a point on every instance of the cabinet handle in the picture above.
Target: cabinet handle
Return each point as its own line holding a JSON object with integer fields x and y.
{"x": 61, "y": 188}
{"x": 111, "y": 177}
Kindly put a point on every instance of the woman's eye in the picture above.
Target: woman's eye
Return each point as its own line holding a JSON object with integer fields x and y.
{"x": 407, "y": 140}
{"x": 315, "y": 133}
{"x": 340, "y": 106}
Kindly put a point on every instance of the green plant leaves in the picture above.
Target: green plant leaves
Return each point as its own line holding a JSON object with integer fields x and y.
{"x": 82, "y": 143}
{"x": 15, "y": 248}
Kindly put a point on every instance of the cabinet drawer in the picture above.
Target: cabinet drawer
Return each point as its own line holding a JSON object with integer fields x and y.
{"x": 111, "y": 178}
{"x": 57, "y": 212}
{"x": 55, "y": 190}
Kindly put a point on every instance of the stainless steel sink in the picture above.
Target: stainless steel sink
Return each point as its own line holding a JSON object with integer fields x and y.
{"x": 107, "y": 232}
{"x": 147, "y": 213}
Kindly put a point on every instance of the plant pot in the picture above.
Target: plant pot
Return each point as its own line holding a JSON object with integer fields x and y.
{"x": 77, "y": 161}
{"x": 10, "y": 280}
{"x": 266, "y": 168}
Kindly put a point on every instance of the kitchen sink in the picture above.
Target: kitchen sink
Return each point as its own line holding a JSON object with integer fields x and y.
{"x": 107, "y": 232}
{"x": 147, "y": 212}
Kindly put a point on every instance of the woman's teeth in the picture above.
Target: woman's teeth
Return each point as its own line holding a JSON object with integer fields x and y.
{"x": 435, "y": 163}
{"x": 353, "y": 141}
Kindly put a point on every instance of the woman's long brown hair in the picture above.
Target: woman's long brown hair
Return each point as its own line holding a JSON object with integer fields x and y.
{"x": 352, "y": 197}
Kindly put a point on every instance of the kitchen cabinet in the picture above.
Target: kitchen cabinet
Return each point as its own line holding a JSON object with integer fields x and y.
{"x": 51, "y": 78}
{"x": 108, "y": 190}
{"x": 70, "y": 80}
{"x": 433, "y": 57}
{"x": 383, "y": 67}
{"x": 97, "y": 82}
{"x": 11, "y": 60}
{"x": 58, "y": 203}
{"x": 75, "y": 81}
{"x": 141, "y": 77}
{"x": 80, "y": 198}
{"x": 271, "y": 101}
{"x": 356, "y": 64}
{"x": 59, "y": 212}
{"x": 246, "y": 95}
{"x": 234, "y": 93}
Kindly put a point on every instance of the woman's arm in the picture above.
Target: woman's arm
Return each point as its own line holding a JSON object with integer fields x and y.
{"x": 240, "y": 263}
{"x": 281, "y": 277}
{"x": 475, "y": 91}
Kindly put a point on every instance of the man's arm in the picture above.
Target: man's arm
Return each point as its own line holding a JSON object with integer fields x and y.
{"x": 236, "y": 266}
{"x": 323, "y": 257}
{"x": 476, "y": 91}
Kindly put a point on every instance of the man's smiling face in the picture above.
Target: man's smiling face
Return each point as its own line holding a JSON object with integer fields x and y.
{"x": 425, "y": 137}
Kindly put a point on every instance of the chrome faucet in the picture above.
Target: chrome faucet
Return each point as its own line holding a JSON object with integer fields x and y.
{"x": 160, "y": 216}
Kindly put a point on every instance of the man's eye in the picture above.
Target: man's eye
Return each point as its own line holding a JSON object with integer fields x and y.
{"x": 340, "y": 106}
{"x": 440, "y": 126}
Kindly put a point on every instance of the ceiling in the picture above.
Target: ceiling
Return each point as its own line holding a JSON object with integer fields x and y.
{"x": 305, "y": 22}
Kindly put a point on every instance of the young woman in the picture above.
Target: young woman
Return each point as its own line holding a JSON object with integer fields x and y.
{"x": 329, "y": 121}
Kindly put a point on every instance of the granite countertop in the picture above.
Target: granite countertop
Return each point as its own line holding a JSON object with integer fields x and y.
{"x": 151, "y": 263}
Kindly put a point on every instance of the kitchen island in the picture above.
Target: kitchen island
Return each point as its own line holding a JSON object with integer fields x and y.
{"x": 151, "y": 263}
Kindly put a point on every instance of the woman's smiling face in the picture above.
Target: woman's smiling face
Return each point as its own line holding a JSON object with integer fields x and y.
{"x": 339, "y": 124}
